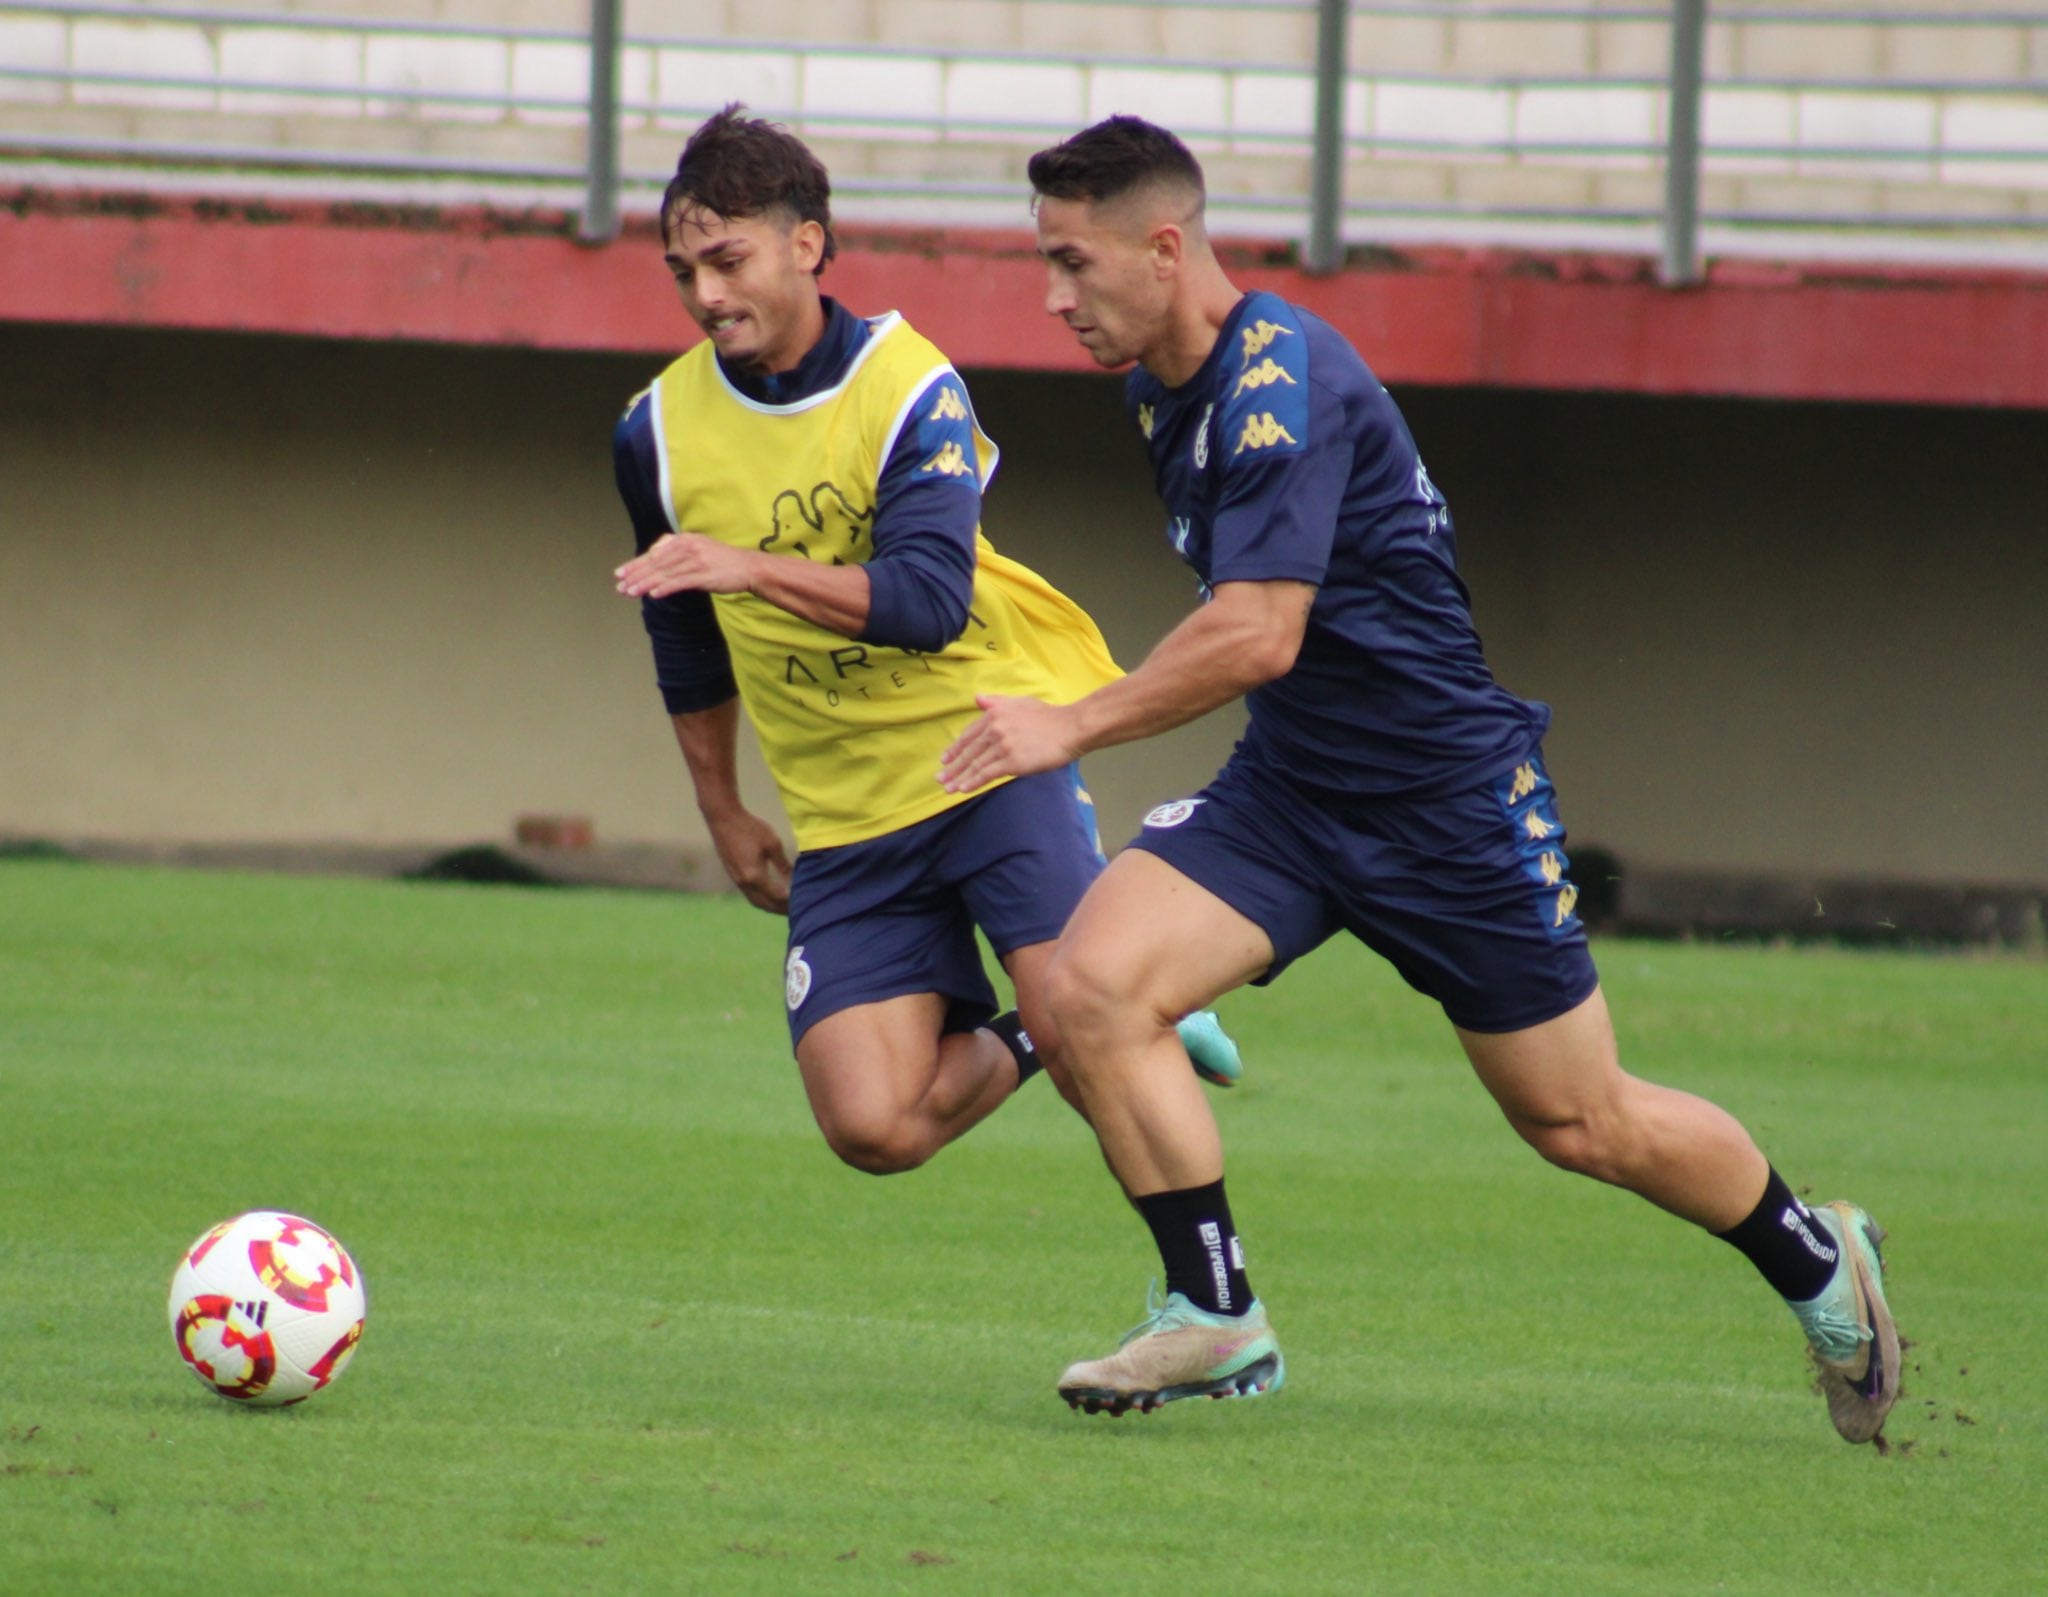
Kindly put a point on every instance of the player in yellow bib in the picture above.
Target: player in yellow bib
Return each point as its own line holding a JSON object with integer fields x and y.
{"x": 805, "y": 489}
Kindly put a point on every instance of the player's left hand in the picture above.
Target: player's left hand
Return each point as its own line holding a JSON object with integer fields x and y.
{"x": 679, "y": 562}
{"x": 1011, "y": 737}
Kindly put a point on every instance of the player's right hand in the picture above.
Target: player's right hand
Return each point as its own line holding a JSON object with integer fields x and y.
{"x": 753, "y": 856}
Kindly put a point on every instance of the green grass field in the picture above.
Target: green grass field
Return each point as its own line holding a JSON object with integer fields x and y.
{"x": 632, "y": 1328}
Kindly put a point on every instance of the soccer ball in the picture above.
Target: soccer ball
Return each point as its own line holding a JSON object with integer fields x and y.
{"x": 266, "y": 1308}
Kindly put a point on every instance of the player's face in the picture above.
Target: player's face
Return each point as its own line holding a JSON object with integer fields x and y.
{"x": 749, "y": 282}
{"x": 1103, "y": 278}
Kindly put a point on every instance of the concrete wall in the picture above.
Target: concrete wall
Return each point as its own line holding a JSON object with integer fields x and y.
{"x": 278, "y": 590}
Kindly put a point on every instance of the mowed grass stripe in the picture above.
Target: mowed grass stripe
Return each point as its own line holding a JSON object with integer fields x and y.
{"x": 633, "y": 1328}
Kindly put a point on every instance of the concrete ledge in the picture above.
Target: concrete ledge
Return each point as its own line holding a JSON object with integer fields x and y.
{"x": 628, "y": 865}
{"x": 1650, "y": 902}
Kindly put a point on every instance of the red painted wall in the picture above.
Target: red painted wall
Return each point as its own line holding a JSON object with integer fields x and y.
{"x": 1462, "y": 318}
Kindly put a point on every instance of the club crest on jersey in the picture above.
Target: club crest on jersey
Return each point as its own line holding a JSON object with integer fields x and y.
{"x": 949, "y": 407}
{"x": 1202, "y": 436}
{"x": 1171, "y": 814}
{"x": 1262, "y": 432}
{"x": 796, "y": 979}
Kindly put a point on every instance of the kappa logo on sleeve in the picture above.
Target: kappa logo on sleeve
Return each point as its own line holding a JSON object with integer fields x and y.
{"x": 950, "y": 461}
{"x": 1262, "y": 432}
{"x": 1267, "y": 371}
{"x": 1259, "y": 335}
{"x": 949, "y": 407}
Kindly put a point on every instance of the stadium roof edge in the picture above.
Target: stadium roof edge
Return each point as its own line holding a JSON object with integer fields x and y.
{"x": 1450, "y": 316}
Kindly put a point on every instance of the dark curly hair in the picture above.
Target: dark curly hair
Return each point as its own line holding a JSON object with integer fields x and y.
{"x": 738, "y": 165}
{"x": 1115, "y": 157}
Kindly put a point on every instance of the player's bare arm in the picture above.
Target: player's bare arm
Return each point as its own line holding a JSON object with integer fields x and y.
{"x": 748, "y": 847}
{"x": 1247, "y": 635}
{"x": 832, "y": 597}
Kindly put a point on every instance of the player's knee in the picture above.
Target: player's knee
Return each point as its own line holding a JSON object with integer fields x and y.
{"x": 1086, "y": 998}
{"x": 876, "y": 1148}
{"x": 1077, "y": 995}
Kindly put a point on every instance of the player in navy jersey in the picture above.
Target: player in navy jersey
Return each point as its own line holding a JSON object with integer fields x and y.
{"x": 1386, "y": 786}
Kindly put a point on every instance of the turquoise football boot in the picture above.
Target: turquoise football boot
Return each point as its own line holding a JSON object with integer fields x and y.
{"x": 1210, "y": 1049}
{"x": 1179, "y": 1351}
{"x": 1855, "y": 1344}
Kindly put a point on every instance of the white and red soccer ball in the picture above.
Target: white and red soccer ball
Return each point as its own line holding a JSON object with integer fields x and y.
{"x": 267, "y": 1308}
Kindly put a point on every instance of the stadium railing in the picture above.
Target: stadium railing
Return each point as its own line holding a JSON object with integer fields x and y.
{"x": 1882, "y": 131}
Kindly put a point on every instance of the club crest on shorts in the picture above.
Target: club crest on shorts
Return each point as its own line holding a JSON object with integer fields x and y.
{"x": 796, "y": 979}
{"x": 1171, "y": 814}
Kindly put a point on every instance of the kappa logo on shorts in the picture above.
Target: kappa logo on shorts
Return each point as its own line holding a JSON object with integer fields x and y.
{"x": 796, "y": 979}
{"x": 1172, "y": 814}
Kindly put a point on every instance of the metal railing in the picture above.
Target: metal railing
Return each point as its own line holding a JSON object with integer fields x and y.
{"x": 592, "y": 138}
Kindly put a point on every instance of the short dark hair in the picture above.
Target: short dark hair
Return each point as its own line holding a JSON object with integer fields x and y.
{"x": 1115, "y": 157}
{"x": 739, "y": 165}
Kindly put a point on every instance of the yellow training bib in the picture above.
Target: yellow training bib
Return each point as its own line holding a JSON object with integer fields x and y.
{"x": 853, "y": 731}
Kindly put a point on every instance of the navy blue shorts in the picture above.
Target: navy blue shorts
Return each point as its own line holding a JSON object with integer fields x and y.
{"x": 1466, "y": 895}
{"x": 896, "y": 914}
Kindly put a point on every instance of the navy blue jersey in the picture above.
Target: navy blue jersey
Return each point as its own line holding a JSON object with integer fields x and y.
{"x": 1284, "y": 459}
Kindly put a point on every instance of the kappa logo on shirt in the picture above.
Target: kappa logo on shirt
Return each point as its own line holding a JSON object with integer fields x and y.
{"x": 1202, "y": 437}
{"x": 948, "y": 462}
{"x": 1171, "y": 814}
{"x": 948, "y": 408}
{"x": 1262, "y": 432}
{"x": 1267, "y": 372}
{"x": 1259, "y": 335}
{"x": 1145, "y": 421}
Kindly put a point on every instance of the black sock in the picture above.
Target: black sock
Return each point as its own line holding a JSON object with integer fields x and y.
{"x": 1199, "y": 1247}
{"x": 1009, "y": 1030}
{"x": 1781, "y": 1238}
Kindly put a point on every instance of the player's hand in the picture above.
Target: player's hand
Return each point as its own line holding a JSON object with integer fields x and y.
{"x": 753, "y": 856}
{"x": 679, "y": 562}
{"x": 1011, "y": 737}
